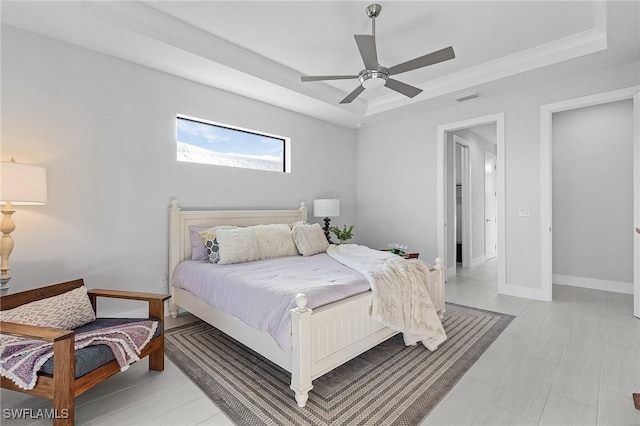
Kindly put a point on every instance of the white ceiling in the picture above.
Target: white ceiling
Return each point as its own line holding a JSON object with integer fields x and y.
{"x": 260, "y": 49}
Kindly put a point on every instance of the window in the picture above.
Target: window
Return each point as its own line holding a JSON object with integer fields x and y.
{"x": 204, "y": 142}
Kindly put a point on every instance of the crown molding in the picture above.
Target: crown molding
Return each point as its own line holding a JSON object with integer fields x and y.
{"x": 137, "y": 32}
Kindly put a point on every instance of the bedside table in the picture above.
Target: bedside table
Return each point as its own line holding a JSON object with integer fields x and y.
{"x": 406, "y": 255}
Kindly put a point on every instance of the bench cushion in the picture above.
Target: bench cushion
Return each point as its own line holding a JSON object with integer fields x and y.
{"x": 95, "y": 356}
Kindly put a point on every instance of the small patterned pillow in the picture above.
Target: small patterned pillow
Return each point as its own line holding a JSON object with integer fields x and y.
{"x": 210, "y": 242}
{"x": 66, "y": 311}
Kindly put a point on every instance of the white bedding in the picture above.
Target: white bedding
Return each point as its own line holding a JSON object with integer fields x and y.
{"x": 257, "y": 294}
{"x": 400, "y": 288}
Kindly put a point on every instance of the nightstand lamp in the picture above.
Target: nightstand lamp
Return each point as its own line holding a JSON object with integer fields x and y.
{"x": 326, "y": 208}
{"x": 20, "y": 184}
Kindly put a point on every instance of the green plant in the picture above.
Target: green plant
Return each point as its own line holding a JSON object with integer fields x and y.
{"x": 343, "y": 234}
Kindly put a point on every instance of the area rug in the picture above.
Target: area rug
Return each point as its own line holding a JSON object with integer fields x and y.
{"x": 390, "y": 384}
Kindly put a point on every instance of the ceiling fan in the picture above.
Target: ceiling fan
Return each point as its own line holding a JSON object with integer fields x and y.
{"x": 374, "y": 75}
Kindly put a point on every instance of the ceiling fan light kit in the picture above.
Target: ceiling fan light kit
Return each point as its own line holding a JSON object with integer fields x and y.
{"x": 374, "y": 76}
{"x": 370, "y": 79}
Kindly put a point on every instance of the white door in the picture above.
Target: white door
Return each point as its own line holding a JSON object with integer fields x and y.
{"x": 490, "y": 236}
{"x": 463, "y": 169}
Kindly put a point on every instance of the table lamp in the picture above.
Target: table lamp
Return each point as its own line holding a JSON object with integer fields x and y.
{"x": 20, "y": 184}
{"x": 326, "y": 208}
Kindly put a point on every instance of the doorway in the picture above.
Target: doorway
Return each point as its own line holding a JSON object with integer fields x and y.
{"x": 446, "y": 195}
{"x": 546, "y": 112}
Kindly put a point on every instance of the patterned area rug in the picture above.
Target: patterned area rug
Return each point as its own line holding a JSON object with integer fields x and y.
{"x": 389, "y": 384}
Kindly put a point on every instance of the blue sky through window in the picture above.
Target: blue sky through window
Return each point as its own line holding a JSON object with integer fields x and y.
{"x": 230, "y": 141}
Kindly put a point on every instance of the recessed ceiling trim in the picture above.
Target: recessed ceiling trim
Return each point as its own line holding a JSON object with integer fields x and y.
{"x": 143, "y": 34}
{"x": 149, "y": 22}
{"x": 571, "y": 47}
{"x": 153, "y": 23}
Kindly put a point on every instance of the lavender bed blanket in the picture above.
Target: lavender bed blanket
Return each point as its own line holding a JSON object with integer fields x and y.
{"x": 21, "y": 358}
{"x": 262, "y": 293}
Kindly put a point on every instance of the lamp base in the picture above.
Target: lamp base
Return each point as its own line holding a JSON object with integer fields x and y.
{"x": 6, "y": 244}
{"x": 326, "y": 230}
{"x": 4, "y": 283}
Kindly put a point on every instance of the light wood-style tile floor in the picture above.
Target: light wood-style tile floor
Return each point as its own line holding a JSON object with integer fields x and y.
{"x": 574, "y": 361}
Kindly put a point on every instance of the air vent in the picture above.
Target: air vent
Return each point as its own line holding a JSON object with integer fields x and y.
{"x": 466, "y": 97}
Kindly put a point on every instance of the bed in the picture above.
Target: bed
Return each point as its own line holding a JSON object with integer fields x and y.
{"x": 322, "y": 338}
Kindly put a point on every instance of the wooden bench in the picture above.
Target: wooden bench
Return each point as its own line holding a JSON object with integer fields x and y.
{"x": 62, "y": 387}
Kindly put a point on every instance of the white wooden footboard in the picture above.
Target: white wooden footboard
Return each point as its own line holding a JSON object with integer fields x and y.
{"x": 331, "y": 335}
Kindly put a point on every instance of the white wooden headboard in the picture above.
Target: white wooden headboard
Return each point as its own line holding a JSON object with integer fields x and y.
{"x": 180, "y": 220}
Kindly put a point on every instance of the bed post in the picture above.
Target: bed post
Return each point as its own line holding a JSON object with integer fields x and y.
{"x": 174, "y": 250}
{"x": 301, "y": 350}
{"x": 303, "y": 211}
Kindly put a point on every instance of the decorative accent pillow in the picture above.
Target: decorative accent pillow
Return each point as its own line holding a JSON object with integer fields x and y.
{"x": 300, "y": 222}
{"x": 310, "y": 239}
{"x": 198, "y": 250}
{"x": 275, "y": 241}
{"x": 208, "y": 238}
{"x": 66, "y": 311}
{"x": 237, "y": 245}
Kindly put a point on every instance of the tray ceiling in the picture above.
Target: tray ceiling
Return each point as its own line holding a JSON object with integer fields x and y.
{"x": 260, "y": 49}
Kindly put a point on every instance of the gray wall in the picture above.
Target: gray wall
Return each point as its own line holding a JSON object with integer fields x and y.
{"x": 592, "y": 158}
{"x": 396, "y": 169}
{"x": 105, "y": 131}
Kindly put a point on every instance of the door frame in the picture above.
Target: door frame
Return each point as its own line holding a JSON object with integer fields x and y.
{"x": 546, "y": 240}
{"x": 441, "y": 170}
{"x": 488, "y": 154}
{"x": 466, "y": 219}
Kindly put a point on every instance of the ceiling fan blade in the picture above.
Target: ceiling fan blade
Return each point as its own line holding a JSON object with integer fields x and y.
{"x": 367, "y": 47}
{"x": 327, "y": 77}
{"x": 352, "y": 95}
{"x": 423, "y": 61}
{"x": 403, "y": 88}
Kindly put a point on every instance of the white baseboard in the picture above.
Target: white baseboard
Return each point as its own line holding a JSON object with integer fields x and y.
{"x": 477, "y": 261}
{"x": 615, "y": 286}
{"x": 524, "y": 292}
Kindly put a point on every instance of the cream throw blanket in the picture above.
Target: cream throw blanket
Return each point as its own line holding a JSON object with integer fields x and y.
{"x": 400, "y": 297}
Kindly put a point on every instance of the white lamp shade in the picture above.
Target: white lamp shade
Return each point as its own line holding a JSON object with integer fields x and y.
{"x": 22, "y": 184}
{"x": 326, "y": 208}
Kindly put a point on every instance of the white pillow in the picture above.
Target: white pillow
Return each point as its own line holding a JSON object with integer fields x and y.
{"x": 275, "y": 241}
{"x": 66, "y": 311}
{"x": 299, "y": 222}
{"x": 237, "y": 245}
{"x": 210, "y": 244}
{"x": 310, "y": 239}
